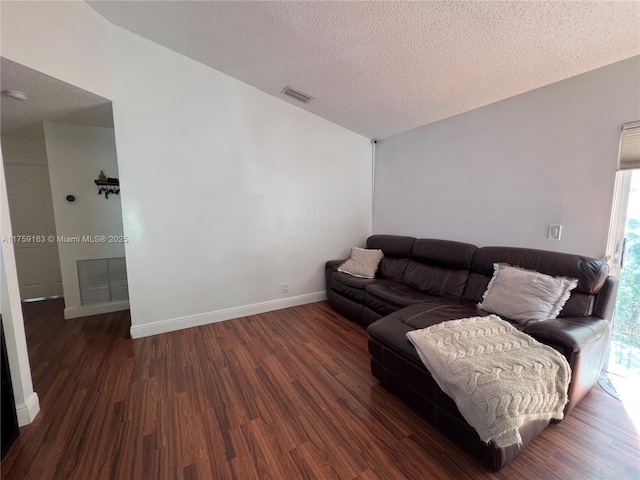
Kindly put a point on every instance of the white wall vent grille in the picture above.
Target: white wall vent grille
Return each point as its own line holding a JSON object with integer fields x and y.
{"x": 102, "y": 280}
{"x": 297, "y": 95}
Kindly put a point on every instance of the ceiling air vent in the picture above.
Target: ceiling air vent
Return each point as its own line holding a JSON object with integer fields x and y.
{"x": 293, "y": 93}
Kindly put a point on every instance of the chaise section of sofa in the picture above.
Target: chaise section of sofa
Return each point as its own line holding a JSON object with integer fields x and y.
{"x": 421, "y": 282}
{"x": 396, "y": 365}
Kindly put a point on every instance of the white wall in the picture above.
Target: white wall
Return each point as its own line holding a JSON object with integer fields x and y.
{"x": 76, "y": 155}
{"x": 499, "y": 175}
{"x": 227, "y": 192}
{"x": 68, "y": 40}
{"x": 27, "y": 404}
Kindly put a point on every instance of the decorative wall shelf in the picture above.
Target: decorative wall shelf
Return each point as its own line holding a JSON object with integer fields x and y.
{"x": 107, "y": 185}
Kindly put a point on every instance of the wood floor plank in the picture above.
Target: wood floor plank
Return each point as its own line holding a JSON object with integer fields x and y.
{"x": 281, "y": 395}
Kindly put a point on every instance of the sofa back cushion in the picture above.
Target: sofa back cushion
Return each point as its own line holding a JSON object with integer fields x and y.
{"x": 444, "y": 253}
{"x": 392, "y": 245}
{"x": 392, "y": 268}
{"x": 439, "y": 267}
{"x": 590, "y": 272}
{"x": 396, "y": 249}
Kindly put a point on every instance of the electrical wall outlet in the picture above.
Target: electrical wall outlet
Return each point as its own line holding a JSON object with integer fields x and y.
{"x": 285, "y": 288}
{"x": 555, "y": 232}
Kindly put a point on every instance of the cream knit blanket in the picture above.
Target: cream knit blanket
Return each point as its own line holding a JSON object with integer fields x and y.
{"x": 499, "y": 377}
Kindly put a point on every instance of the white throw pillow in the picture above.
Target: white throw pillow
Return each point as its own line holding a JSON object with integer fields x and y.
{"x": 362, "y": 263}
{"x": 525, "y": 295}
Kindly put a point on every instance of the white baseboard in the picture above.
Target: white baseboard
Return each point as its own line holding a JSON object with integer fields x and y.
{"x": 173, "y": 324}
{"x": 28, "y": 410}
{"x": 86, "y": 310}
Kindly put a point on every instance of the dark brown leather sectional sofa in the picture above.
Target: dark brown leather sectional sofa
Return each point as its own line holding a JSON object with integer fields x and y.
{"x": 421, "y": 282}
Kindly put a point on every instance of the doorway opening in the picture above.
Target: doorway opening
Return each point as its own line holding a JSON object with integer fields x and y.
{"x": 61, "y": 174}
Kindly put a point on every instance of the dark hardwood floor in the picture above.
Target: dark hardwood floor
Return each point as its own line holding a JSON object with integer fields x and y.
{"x": 282, "y": 395}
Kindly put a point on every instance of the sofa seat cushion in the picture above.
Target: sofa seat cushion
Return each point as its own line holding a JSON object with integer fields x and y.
{"x": 395, "y": 293}
{"x": 392, "y": 329}
{"x": 351, "y": 281}
{"x": 350, "y": 286}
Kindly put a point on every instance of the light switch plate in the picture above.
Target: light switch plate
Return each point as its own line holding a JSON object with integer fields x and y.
{"x": 555, "y": 232}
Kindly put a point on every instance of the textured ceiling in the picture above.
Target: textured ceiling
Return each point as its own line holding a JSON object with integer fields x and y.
{"x": 49, "y": 99}
{"x": 380, "y": 68}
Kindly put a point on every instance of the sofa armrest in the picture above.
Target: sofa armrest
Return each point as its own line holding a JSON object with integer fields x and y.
{"x": 330, "y": 267}
{"x": 583, "y": 341}
{"x": 571, "y": 333}
{"x": 334, "y": 264}
{"x": 606, "y": 300}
